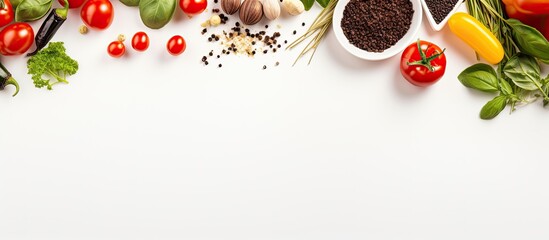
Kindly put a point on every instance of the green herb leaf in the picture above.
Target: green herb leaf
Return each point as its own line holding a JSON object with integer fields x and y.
{"x": 32, "y": 10}
{"x": 493, "y": 107}
{"x": 308, "y": 4}
{"x": 15, "y": 3}
{"x": 156, "y": 14}
{"x": 529, "y": 40}
{"x": 323, "y": 3}
{"x": 524, "y": 70}
{"x": 130, "y": 3}
{"x": 480, "y": 77}
{"x": 505, "y": 87}
{"x": 51, "y": 65}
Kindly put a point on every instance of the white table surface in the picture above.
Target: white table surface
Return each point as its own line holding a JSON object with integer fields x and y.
{"x": 152, "y": 146}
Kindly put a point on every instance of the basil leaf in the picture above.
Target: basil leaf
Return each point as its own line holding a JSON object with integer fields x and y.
{"x": 493, "y": 107}
{"x": 156, "y": 14}
{"x": 308, "y": 4}
{"x": 524, "y": 70}
{"x": 529, "y": 40}
{"x": 32, "y": 10}
{"x": 15, "y": 3}
{"x": 480, "y": 77}
{"x": 323, "y": 3}
{"x": 505, "y": 87}
{"x": 130, "y": 3}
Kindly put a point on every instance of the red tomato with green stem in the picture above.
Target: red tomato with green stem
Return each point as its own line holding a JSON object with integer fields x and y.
{"x": 176, "y": 45}
{"x": 140, "y": 41}
{"x": 97, "y": 14}
{"x": 72, "y": 3}
{"x": 116, "y": 49}
{"x": 6, "y": 13}
{"x": 16, "y": 39}
{"x": 193, "y": 7}
{"x": 423, "y": 63}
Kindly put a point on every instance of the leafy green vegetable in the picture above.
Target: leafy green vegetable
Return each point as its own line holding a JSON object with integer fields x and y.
{"x": 480, "y": 77}
{"x": 529, "y": 40}
{"x": 130, "y": 3}
{"x": 51, "y": 62}
{"x": 524, "y": 71}
{"x": 308, "y": 4}
{"x": 32, "y": 10}
{"x": 493, "y": 107}
{"x": 156, "y": 14}
{"x": 323, "y": 3}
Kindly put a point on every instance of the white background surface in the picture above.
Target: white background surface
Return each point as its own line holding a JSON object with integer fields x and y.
{"x": 158, "y": 147}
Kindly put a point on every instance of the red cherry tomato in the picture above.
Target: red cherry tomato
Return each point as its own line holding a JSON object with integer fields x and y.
{"x": 72, "y": 3}
{"x": 193, "y": 7}
{"x": 176, "y": 45}
{"x": 6, "y": 13}
{"x": 417, "y": 67}
{"x": 97, "y": 14}
{"x": 116, "y": 49}
{"x": 140, "y": 41}
{"x": 16, "y": 39}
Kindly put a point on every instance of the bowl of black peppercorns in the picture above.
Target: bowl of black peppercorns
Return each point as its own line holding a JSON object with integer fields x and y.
{"x": 374, "y": 29}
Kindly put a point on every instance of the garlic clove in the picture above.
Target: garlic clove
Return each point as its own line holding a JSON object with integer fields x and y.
{"x": 271, "y": 9}
{"x": 293, "y": 7}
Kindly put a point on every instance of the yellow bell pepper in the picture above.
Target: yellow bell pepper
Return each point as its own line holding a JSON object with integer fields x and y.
{"x": 477, "y": 36}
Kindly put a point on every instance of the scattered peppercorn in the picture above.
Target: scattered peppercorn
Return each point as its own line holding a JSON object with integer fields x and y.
{"x": 264, "y": 67}
{"x": 295, "y": 32}
{"x": 303, "y": 24}
{"x": 220, "y": 65}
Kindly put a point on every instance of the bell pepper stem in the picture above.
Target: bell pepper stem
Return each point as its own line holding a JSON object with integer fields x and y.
{"x": 2, "y": 4}
{"x": 11, "y": 81}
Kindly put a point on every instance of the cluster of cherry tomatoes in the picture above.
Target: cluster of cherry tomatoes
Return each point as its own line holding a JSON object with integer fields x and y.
{"x": 140, "y": 42}
{"x": 15, "y": 38}
{"x": 18, "y": 37}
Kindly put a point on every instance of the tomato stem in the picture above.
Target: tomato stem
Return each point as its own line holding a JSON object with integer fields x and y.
{"x": 425, "y": 61}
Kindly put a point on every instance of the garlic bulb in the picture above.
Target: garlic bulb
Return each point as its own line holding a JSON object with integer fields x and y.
{"x": 271, "y": 9}
{"x": 251, "y": 12}
{"x": 293, "y": 7}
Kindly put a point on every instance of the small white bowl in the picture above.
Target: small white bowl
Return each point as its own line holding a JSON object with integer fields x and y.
{"x": 438, "y": 26}
{"x": 408, "y": 38}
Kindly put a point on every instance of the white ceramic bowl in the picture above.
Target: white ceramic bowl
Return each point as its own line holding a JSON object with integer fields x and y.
{"x": 408, "y": 38}
{"x": 438, "y": 26}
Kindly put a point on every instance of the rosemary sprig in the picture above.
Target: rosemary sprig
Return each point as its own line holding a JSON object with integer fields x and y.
{"x": 320, "y": 27}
